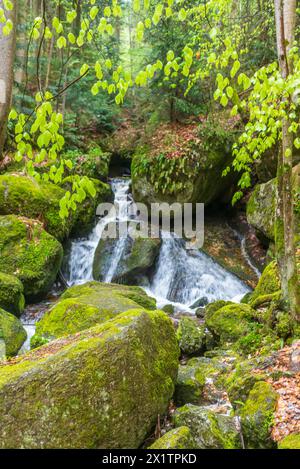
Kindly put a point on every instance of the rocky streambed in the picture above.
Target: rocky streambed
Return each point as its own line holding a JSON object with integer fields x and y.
{"x": 108, "y": 366}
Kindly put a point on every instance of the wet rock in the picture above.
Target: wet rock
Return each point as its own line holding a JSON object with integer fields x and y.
{"x": 138, "y": 258}
{"x": 209, "y": 429}
{"x": 191, "y": 336}
{"x": 100, "y": 388}
{"x": 200, "y": 303}
{"x": 178, "y": 438}
{"x": 192, "y": 380}
{"x": 12, "y": 334}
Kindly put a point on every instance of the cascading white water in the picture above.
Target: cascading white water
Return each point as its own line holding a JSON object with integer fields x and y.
{"x": 184, "y": 276}
{"x": 83, "y": 250}
{"x": 181, "y": 277}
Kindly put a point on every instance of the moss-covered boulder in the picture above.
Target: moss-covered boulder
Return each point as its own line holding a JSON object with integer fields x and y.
{"x": 12, "y": 334}
{"x": 100, "y": 388}
{"x": 185, "y": 163}
{"x": 191, "y": 336}
{"x": 11, "y": 294}
{"x": 290, "y": 442}
{"x": 268, "y": 288}
{"x": 30, "y": 253}
{"x": 257, "y": 416}
{"x": 230, "y": 322}
{"x": 241, "y": 381}
{"x": 178, "y": 438}
{"x": 191, "y": 381}
{"x": 24, "y": 196}
{"x": 84, "y": 306}
{"x": 209, "y": 429}
{"x": 138, "y": 257}
{"x": 190, "y": 186}
{"x": 261, "y": 206}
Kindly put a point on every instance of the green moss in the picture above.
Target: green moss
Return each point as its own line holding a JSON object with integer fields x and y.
{"x": 87, "y": 390}
{"x": 257, "y": 416}
{"x": 210, "y": 430}
{"x": 29, "y": 253}
{"x": 240, "y": 382}
{"x": 24, "y": 196}
{"x": 269, "y": 284}
{"x": 290, "y": 442}
{"x": 84, "y": 306}
{"x": 191, "y": 336}
{"x": 231, "y": 322}
{"x": 192, "y": 378}
{"x": 179, "y": 438}
{"x": 11, "y": 332}
{"x": 11, "y": 294}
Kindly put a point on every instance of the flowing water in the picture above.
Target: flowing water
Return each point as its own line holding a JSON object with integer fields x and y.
{"x": 181, "y": 277}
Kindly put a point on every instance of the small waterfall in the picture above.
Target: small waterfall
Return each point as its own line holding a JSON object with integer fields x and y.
{"x": 184, "y": 276}
{"x": 181, "y": 277}
{"x": 83, "y": 250}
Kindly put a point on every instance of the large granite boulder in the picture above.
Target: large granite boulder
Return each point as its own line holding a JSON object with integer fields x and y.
{"x": 30, "y": 253}
{"x": 101, "y": 388}
{"x": 83, "y": 306}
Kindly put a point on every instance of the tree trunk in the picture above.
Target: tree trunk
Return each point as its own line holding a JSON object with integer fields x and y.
{"x": 7, "y": 48}
{"x": 285, "y": 11}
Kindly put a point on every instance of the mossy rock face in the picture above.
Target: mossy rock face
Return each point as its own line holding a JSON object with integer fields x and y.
{"x": 204, "y": 184}
{"x": 30, "y": 253}
{"x": 231, "y": 322}
{"x": 240, "y": 382}
{"x": 290, "y": 442}
{"x": 191, "y": 381}
{"x": 257, "y": 416}
{"x": 24, "y": 196}
{"x": 12, "y": 333}
{"x": 11, "y": 294}
{"x": 211, "y": 308}
{"x": 191, "y": 336}
{"x": 261, "y": 206}
{"x": 268, "y": 288}
{"x": 178, "y": 438}
{"x": 84, "y": 306}
{"x": 209, "y": 429}
{"x": 138, "y": 258}
{"x": 101, "y": 388}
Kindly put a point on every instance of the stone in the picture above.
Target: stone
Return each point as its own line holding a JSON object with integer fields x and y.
{"x": 12, "y": 333}
{"x": 209, "y": 429}
{"x": 11, "y": 294}
{"x": 28, "y": 252}
{"x": 178, "y": 438}
{"x": 191, "y": 336}
{"x": 257, "y": 416}
{"x": 83, "y": 306}
{"x": 101, "y": 388}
